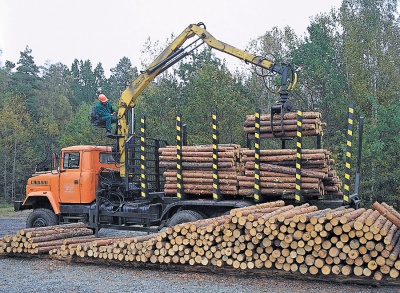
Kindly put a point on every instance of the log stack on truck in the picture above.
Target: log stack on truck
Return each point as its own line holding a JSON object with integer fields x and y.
{"x": 197, "y": 164}
{"x": 312, "y": 125}
{"x": 236, "y": 171}
{"x": 341, "y": 244}
{"x": 278, "y": 170}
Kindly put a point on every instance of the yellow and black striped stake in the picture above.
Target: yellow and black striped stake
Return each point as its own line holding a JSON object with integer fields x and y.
{"x": 257, "y": 151}
{"x": 143, "y": 173}
{"x": 298, "y": 193}
{"x": 215, "y": 141}
{"x": 179, "y": 143}
{"x": 346, "y": 185}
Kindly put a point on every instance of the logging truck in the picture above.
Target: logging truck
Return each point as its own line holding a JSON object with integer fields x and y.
{"x": 123, "y": 186}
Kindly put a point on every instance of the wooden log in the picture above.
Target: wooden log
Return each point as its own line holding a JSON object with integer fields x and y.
{"x": 284, "y": 127}
{"x": 338, "y": 213}
{"x": 359, "y": 223}
{"x": 371, "y": 219}
{"x": 172, "y": 153}
{"x": 44, "y": 249}
{"x": 75, "y": 233}
{"x": 266, "y": 135}
{"x": 265, "y": 126}
{"x": 315, "y": 121}
{"x": 378, "y": 224}
{"x": 201, "y": 148}
{"x": 207, "y": 190}
{"x": 192, "y": 165}
{"x": 396, "y": 251}
{"x": 64, "y": 241}
{"x": 278, "y": 185}
{"x": 289, "y": 157}
{"x": 255, "y": 208}
{"x": 287, "y": 116}
{"x": 347, "y": 227}
{"x": 303, "y": 209}
{"x": 64, "y": 226}
{"x": 386, "y": 228}
{"x": 202, "y": 187}
{"x": 310, "y": 165}
{"x": 313, "y": 217}
{"x": 386, "y": 213}
{"x": 200, "y": 174}
{"x": 391, "y": 210}
{"x": 388, "y": 238}
{"x": 195, "y": 159}
{"x": 284, "y": 178}
{"x": 351, "y": 215}
{"x": 286, "y": 170}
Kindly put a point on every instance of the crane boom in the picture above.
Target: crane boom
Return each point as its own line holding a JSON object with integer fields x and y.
{"x": 174, "y": 53}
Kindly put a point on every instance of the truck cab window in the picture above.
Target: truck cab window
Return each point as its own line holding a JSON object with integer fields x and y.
{"x": 71, "y": 161}
{"x": 107, "y": 158}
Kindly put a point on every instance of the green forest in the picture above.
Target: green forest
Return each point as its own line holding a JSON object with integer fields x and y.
{"x": 349, "y": 55}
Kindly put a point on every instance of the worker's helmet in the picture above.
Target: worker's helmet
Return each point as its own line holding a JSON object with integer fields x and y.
{"x": 103, "y": 98}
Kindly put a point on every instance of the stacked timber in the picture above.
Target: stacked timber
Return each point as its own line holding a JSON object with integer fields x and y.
{"x": 339, "y": 242}
{"x": 311, "y": 125}
{"x": 44, "y": 239}
{"x": 197, "y": 168}
{"x": 301, "y": 239}
{"x": 278, "y": 173}
{"x": 236, "y": 171}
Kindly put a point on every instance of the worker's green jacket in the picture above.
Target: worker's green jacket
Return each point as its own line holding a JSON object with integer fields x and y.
{"x": 104, "y": 110}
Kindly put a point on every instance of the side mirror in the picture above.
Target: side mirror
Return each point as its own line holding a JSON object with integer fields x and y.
{"x": 54, "y": 160}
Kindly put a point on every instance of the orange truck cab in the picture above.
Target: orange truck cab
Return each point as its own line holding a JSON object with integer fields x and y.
{"x": 74, "y": 183}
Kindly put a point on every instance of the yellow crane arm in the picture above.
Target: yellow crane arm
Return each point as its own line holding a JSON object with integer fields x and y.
{"x": 172, "y": 54}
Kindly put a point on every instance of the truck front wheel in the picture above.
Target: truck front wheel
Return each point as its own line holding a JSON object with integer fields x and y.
{"x": 183, "y": 217}
{"x": 41, "y": 218}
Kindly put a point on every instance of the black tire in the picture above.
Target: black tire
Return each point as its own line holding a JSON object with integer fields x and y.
{"x": 218, "y": 214}
{"x": 41, "y": 218}
{"x": 184, "y": 217}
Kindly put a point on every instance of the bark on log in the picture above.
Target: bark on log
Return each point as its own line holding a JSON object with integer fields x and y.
{"x": 392, "y": 210}
{"x": 286, "y": 170}
{"x": 265, "y": 135}
{"x": 81, "y": 232}
{"x": 65, "y": 226}
{"x": 386, "y": 213}
{"x": 287, "y": 116}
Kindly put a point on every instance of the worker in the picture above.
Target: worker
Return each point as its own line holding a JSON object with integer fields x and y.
{"x": 105, "y": 112}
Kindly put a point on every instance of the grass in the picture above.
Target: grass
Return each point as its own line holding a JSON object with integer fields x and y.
{"x": 6, "y": 208}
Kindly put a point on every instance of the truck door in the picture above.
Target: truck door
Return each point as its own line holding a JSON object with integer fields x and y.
{"x": 70, "y": 178}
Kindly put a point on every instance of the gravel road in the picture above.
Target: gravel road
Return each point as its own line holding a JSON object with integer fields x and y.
{"x": 44, "y": 275}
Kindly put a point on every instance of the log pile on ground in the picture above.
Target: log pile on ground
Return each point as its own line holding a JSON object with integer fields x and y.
{"x": 311, "y": 125}
{"x": 44, "y": 239}
{"x": 197, "y": 168}
{"x": 301, "y": 240}
{"x": 277, "y": 173}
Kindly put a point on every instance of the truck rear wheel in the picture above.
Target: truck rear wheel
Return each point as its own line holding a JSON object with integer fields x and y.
{"x": 183, "y": 217}
{"x": 41, "y": 218}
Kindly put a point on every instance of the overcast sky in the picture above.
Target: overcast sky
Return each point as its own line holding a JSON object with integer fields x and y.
{"x": 105, "y": 30}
